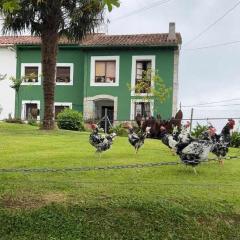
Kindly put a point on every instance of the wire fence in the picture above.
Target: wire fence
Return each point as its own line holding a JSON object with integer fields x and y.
{"x": 107, "y": 168}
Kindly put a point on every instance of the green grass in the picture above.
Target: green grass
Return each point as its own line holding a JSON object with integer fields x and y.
{"x": 168, "y": 202}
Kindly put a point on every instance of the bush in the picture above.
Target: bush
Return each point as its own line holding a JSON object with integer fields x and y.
{"x": 119, "y": 130}
{"x": 235, "y": 140}
{"x": 33, "y": 122}
{"x": 70, "y": 120}
{"x": 198, "y": 130}
{"x": 14, "y": 120}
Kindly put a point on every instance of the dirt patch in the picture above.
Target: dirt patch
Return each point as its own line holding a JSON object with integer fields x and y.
{"x": 31, "y": 202}
{"x": 54, "y": 198}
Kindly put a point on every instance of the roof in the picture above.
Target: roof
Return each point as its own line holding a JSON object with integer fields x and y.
{"x": 102, "y": 40}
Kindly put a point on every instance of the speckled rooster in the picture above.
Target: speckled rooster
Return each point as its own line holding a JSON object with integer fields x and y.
{"x": 101, "y": 142}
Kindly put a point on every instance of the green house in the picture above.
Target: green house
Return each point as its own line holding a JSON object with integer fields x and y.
{"x": 94, "y": 76}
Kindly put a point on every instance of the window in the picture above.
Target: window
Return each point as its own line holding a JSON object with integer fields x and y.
{"x": 30, "y": 110}
{"x": 143, "y": 73}
{"x": 59, "y": 107}
{"x": 143, "y": 108}
{"x": 105, "y": 71}
{"x": 142, "y": 69}
{"x": 31, "y": 73}
{"x": 64, "y": 74}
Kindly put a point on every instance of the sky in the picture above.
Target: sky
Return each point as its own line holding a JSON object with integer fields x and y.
{"x": 207, "y": 75}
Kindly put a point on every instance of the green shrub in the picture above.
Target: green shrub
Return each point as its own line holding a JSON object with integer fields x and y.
{"x": 198, "y": 130}
{"x": 119, "y": 130}
{"x": 33, "y": 122}
{"x": 235, "y": 140}
{"x": 14, "y": 120}
{"x": 70, "y": 120}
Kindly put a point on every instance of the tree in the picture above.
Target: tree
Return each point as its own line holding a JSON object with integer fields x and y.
{"x": 51, "y": 20}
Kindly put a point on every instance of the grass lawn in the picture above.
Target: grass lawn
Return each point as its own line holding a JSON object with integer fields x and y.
{"x": 168, "y": 202}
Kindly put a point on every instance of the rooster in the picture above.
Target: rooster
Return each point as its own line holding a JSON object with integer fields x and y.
{"x": 197, "y": 151}
{"x": 222, "y": 141}
{"x": 100, "y": 142}
{"x": 137, "y": 139}
{"x": 170, "y": 140}
{"x": 184, "y": 138}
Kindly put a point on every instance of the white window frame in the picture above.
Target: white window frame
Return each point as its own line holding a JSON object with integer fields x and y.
{"x": 133, "y": 101}
{"x": 23, "y": 110}
{"x": 151, "y": 58}
{"x": 71, "y": 65}
{"x": 93, "y": 69}
{"x": 62, "y": 104}
{"x": 39, "y": 66}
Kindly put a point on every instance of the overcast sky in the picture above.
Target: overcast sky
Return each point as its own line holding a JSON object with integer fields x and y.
{"x": 207, "y": 75}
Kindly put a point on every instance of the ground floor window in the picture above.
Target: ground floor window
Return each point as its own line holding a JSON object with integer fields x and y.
{"x": 59, "y": 107}
{"x": 142, "y": 108}
{"x": 31, "y": 110}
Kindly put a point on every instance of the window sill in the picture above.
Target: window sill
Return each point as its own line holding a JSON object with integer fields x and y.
{"x": 104, "y": 84}
{"x": 64, "y": 84}
{"x": 31, "y": 83}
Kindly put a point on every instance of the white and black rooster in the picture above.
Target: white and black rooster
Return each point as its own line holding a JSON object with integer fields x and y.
{"x": 137, "y": 139}
{"x": 178, "y": 139}
{"x": 102, "y": 143}
{"x": 197, "y": 150}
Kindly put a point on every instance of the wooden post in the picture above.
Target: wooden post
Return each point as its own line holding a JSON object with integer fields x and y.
{"x": 105, "y": 120}
{"x": 191, "y": 121}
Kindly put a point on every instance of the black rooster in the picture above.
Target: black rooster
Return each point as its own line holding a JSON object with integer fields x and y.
{"x": 100, "y": 142}
{"x": 222, "y": 141}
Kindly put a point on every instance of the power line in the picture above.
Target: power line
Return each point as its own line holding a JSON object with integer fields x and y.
{"x": 155, "y": 4}
{"x": 217, "y": 106}
{"x": 213, "y": 24}
{"x": 208, "y": 103}
{"x": 212, "y": 46}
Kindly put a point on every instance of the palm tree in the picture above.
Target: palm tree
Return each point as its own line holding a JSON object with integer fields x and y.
{"x": 51, "y": 20}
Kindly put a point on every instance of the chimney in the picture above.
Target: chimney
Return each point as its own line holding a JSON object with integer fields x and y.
{"x": 172, "y": 32}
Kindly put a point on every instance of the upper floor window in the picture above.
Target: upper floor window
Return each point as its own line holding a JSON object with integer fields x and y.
{"x": 143, "y": 75}
{"x": 142, "y": 69}
{"x": 64, "y": 74}
{"x": 105, "y": 71}
{"x": 31, "y": 73}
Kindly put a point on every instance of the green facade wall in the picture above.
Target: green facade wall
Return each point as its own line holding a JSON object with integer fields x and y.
{"x": 81, "y": 58}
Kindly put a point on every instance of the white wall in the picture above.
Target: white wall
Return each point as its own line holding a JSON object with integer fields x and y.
{"x": 7, "y": 94}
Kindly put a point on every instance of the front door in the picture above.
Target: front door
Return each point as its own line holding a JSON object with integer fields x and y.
{"x": 109, "y": 111}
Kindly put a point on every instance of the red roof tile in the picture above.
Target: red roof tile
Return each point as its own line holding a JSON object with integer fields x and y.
{"x": 101, "y": 40}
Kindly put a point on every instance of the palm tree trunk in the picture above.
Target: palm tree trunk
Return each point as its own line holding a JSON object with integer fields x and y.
{"x": 49, "y": 55}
